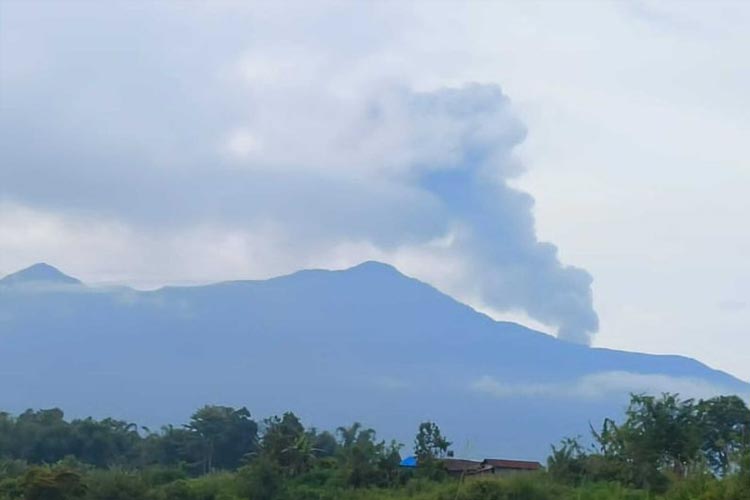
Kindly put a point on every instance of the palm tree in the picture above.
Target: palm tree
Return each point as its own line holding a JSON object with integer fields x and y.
{"x": 349, "y": 434}
{"x": 301, "y": 454}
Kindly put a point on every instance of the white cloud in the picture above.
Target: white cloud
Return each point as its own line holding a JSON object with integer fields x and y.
{"x": 602, "y": 385}
{"x": 637, "y": 178}
{"x": 94, "y": 249}
{"x": 381, "y": 165}
{"x": 242, "y": 144}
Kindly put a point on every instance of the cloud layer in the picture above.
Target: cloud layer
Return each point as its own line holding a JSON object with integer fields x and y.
{"x": 601, "y": 385}
{"x": 228, "y": 150}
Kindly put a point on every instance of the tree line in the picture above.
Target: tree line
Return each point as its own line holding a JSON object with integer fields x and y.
{"x": 660, "y": 439}
{"x": 664, "y": 447}
{"x": 217, "y": 438}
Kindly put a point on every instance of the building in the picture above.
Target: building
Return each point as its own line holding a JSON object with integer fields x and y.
{"x": 460, "y": 467}
{"x": 500, "y": 466}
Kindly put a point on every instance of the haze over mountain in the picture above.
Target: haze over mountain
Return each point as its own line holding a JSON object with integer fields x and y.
{"x": 366, "y": 344}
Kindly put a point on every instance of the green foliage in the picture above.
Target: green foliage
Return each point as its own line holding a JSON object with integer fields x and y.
{"x": 725, "y": 426}
{"x": 512, "y": 488}
{"x": 430, "y": 443}
{"x": 117, "y": 484}
{"x": 664, "y": 449}
{"x": 662, "y": 441}
{"x": 43, "y": 483}
{"x": 429, "y": 447}
{"x": 286, "y": 444}
{"x": 324, "y": 443}
{"x": 224, "y": 436}
{"x": 364, "y": 461}
{"x": 568, "y": 462}
{"x": 262, "y": 480}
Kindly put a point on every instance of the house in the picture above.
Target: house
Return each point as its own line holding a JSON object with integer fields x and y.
{"x": 500, "y": 466}
{"x": 460, "y": 467}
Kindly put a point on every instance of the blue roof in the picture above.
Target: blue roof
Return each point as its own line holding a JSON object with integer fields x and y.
{"x": 409, "y": 462}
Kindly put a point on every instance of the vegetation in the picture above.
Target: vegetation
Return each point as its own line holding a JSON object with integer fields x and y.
{"x": 662, "y": 441}
{"x": 664, "y": 448}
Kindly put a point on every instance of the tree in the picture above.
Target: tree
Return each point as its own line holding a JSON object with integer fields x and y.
{"x": 660, "y": 438}
{"x": 42, "y": 436}
{"x": 658, "y": 435}
{"x": 324, "y": 442}
{"x": 725, "y": 426}
{"x": 430, "y": 444}
{"x": 567, "y": 463}
{"x": 349, "y": 435}
{"x": 300, "y": 455}
{"x": 226, "y": 435}
{"x": 286, "y": 444}
{"x": 363, "y": 460}
{"x": 173, "y": 446}
{"x": 104, "y": 443}
{"x": 429, "y": 447}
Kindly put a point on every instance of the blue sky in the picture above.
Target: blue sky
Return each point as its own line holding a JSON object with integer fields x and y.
{"x": 579, "y": 167}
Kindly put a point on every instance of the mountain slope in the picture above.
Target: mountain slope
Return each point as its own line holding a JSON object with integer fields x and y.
{"x": 366, "y": 344}
{"x": 38, "y": 273}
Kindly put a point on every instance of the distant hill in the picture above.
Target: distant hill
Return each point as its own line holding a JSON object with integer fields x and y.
{"x": 38, "y": 273}
{"x": 366, "y": 344}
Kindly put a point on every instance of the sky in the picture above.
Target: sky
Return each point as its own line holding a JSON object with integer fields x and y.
{"x": 580, "y": 167}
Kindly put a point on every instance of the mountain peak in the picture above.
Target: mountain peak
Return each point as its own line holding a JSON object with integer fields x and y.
{"x": 39, "y": 273}
{"x": 374, "y": 266}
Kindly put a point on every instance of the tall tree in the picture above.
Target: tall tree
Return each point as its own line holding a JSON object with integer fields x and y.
{"x": 725, "y": 426}
{"x": 363, "y": 460}
{"x": 430, "y": 444}
{"x": 226, "y": 434}
{"x": 286, "y": 444}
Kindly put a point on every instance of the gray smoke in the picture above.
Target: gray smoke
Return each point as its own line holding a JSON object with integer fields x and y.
{"x": 165, "y": 132}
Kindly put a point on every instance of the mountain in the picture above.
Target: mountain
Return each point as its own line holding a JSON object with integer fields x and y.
{"x": 365, "y": 344}
{"x": 38, "y": 274}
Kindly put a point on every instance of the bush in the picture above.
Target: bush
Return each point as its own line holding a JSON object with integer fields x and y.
{"x": 518, "y": 487}
{"x": 116, "y": 484}
{"x": 261, "y": 480}
{"x": 46, "y": 483}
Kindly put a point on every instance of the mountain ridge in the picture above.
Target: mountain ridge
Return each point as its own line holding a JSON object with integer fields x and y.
{"x": 40, "y": 272}
{"x": 43, "y": 272}
{"x": 367, "y": 343}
